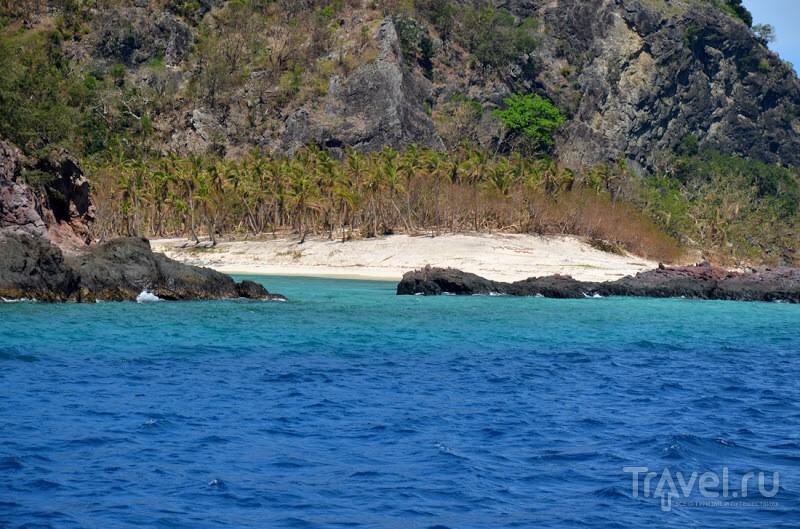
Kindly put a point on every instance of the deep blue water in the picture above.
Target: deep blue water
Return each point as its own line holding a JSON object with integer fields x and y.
{"x": 351, "y": 407}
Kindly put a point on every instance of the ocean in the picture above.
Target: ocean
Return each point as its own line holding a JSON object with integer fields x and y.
{"x": 352, "y": 407}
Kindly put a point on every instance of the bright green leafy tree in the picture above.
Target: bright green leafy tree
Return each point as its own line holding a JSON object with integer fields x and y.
{"x": 533, "y": 116}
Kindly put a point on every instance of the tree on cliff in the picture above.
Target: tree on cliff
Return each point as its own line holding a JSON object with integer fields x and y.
{"x": 534, "y": 116}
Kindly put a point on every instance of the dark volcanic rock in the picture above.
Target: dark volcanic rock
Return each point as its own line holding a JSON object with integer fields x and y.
{"x": 252, "y": 290}
{"x": 555, "y": 286}
{"x": 692, "y": 282}
{"x": 643, "y": 75}
{"x": 32, "y": 268}
{"x": 121, "y": 269}
{"x": 436, "y": 281}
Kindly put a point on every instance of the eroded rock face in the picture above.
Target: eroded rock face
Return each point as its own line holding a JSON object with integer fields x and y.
{"x": 131, "y": 36}
{"x": 640, "y": 76}
{"x": 19, "y": 211}
{"x": 692, "y": 282}
{"x": 380, "y": 104}
{"x": 120, "y": 270}
{"x": 66, "y": 207}
{"x": 62, "y": 211}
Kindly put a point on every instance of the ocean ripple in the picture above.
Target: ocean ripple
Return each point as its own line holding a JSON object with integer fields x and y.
{"x": 355, "y": 408}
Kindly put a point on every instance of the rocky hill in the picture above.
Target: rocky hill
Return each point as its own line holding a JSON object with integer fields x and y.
{"x": 652, "y": 126}
{"x": 634, "y": 77}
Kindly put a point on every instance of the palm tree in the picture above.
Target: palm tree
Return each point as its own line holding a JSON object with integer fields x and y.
{"x": 302, "y": 193}
{"x": 189, "y": 174}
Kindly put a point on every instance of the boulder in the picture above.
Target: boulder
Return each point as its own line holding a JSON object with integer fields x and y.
{"x": 32, "y": 268}
{"x": 436, "y": 281}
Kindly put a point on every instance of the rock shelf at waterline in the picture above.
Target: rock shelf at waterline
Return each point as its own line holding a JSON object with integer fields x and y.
{"x": 701, "y": 281}
{"x": 119, "y": 270}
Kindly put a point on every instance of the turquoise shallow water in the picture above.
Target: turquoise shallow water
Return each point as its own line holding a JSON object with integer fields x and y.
{"x": 351, "y": 407}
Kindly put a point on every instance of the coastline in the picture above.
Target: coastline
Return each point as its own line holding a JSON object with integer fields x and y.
{"x": 500, "y": 257}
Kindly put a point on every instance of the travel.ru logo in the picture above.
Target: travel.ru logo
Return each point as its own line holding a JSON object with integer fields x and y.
{"x": 715, "y": 489}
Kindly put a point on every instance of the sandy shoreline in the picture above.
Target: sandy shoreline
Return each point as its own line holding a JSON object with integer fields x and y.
{"x": 502, "y": 257}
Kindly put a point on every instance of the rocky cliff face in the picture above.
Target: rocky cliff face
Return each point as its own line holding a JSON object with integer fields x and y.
{"x": 642, "y": 75}
{"x": 381, "y": 103}
{"x": 635, "y": 78}
{"x": 59, "y": 210}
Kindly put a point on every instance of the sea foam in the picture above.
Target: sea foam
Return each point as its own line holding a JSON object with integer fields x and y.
{"x": 147, "y": 297}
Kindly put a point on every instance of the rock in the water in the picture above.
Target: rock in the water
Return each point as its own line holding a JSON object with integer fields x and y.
{"x": 32, "y": 268}
{"x": 252, "y": 290}
{"x": 120, "y": 270}
{"x": 692, "y": 282}
{"x": 436, "y": 281}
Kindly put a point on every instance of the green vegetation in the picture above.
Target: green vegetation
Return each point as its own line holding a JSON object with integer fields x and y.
{"x": 46, "y": 103}
{"x": 39, "y": 100}
{"x": 254, "y": 62}
{"x": 416, "y": 42}
{"x": 765, "y": 33}
{"x": 738, "y": 210}
{"x": 493, "y": 37}
{"x": 533, "y": 116}
{"x": 366, "y": 195}
{"x": 735, "y": 8}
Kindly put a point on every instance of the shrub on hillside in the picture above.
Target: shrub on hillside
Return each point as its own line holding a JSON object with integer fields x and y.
{"x": 532, "y": 115}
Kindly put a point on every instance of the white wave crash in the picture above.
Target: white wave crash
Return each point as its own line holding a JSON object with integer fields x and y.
{"x": 147, "y": 297}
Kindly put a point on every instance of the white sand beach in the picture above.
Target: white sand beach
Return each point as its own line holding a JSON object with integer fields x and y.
{"x": 502, "y": 257}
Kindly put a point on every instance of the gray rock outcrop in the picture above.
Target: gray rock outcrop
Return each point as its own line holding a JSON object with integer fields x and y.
{"x": 132, "y": 37}
{"x": 639, "y": 76}
{"x": 381, "y": 103}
